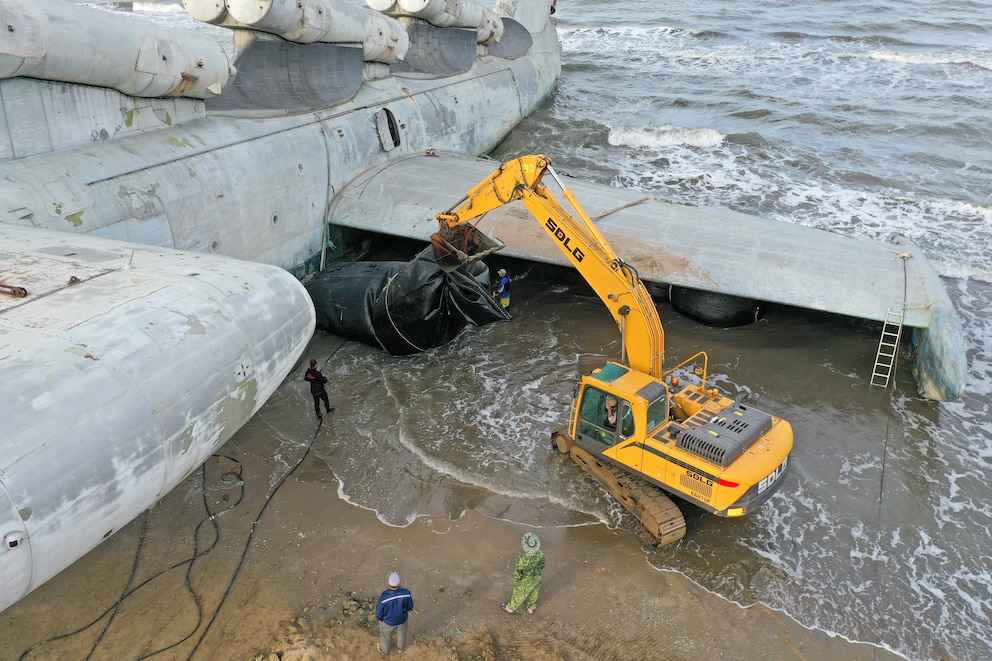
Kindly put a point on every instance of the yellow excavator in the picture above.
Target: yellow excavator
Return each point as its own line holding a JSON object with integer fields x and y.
{"x": 632, "y": 425}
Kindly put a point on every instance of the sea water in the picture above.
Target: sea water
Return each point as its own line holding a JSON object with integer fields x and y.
{"x": 871, "y": 119}
{"x": 868, "y": 118}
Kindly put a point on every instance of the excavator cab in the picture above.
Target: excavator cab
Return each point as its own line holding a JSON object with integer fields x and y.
{"x": 605, "y": 417}
{"x": 617, "y": 405}
{"x": 599, "y": 412}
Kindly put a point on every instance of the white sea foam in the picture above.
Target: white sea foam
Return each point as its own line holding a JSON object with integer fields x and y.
{"x": 722, "y": 176}
{"x": 930, "y": 58}
{"x": 163, "y": 7}
{"x": 664, "y": 136}
{"x": 861, "y": 466}
{"x": 577, "y": 38}
{"x": 851, "y": 141}
{"x": 854, "y": 376}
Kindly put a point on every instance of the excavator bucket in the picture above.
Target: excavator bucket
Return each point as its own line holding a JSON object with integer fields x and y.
{"x": 460, "y": 245}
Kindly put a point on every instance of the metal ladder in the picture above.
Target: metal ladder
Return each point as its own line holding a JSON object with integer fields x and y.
{"x": 888, "y": 348}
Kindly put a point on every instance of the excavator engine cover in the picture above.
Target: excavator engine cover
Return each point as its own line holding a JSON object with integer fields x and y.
{"x": 726, "y": 436}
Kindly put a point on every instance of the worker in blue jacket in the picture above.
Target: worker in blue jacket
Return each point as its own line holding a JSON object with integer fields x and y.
{"x": 391, "y": 611}
{"x": 501, "y": 290}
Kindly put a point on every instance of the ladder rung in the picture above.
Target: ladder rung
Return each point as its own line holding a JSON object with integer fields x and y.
{"x": 888, "y": 348}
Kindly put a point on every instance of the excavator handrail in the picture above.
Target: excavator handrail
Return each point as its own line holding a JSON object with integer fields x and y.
{"x": 690, "y": 359}
{"x": 616, "y": 283}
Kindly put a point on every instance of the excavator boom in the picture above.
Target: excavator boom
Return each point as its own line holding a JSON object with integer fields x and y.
{"x": 615, "y": 282}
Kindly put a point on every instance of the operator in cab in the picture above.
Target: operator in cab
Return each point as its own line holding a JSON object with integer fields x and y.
{"x": 611, "y": 413}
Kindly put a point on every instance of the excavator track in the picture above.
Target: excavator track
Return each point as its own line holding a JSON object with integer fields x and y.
{"x": 649, "y": 504}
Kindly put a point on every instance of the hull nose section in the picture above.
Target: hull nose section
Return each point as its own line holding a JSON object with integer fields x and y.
{"x": 273, "y": 314}
{"x": 124, "y": 368}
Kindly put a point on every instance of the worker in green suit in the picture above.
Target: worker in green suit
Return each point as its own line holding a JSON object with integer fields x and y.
{"x": 527, "y": 575}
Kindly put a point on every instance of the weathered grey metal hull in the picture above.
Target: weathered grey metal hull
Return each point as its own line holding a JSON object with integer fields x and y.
{"x": 124, "y": 367}
{"x": 120, "y": 384}
{"x": 247, "y": 183}
{"x": 708, "y": 249}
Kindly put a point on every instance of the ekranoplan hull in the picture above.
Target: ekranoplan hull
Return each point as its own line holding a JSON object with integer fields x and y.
{"x": 126, "y": 364}
{"x": 251, "y": 173}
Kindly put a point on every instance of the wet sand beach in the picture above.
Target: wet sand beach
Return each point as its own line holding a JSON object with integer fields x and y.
{"x": 286, "y": 569}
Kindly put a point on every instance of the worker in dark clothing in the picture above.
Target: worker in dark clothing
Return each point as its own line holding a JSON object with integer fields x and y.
{"x": 317, "y": 381}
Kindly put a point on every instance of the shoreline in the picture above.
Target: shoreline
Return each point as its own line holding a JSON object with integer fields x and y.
{"x": 290, "y": 569}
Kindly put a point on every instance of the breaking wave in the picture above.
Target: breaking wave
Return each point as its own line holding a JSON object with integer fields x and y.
{"x": 930, "y": 58}
{"x": 665, "y": 136}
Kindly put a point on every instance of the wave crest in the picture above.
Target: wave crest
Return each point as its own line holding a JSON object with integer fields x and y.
{"x": 665, "y": 136}
{"x": 929, "y": 58}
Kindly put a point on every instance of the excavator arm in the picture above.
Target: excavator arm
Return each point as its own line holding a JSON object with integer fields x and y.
{"x": 615, "y": 282}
